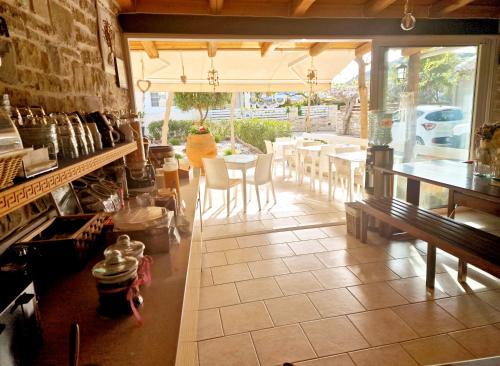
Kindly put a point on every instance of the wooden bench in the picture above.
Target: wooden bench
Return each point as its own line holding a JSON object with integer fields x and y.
{"x": 470, "y": 245}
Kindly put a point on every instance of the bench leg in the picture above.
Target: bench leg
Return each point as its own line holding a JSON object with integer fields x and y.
{"x": 364, "y": 227}
{"x": 462, "y": 271}
{"x": 431, "y": 266}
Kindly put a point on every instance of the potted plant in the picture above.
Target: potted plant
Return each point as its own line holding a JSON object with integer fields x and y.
{"x": 486, "y": 153}
{"x": 200, "y": 142}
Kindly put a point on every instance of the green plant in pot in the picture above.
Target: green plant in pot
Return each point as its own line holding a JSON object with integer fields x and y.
{"x": 200, "y": 142}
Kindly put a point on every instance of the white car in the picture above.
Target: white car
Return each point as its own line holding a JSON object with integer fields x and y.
{"x": 435, "y": 124}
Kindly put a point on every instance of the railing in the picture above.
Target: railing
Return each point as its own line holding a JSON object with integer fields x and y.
{"x": 271, "y": 113}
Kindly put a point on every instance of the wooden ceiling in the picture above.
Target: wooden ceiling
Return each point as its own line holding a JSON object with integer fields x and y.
{"x": 318, "y": 8}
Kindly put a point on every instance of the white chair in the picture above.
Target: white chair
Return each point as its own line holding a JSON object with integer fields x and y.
{"x": 263, "y": 175}
{"x": 277, "y": 155}
{"x": 321, "y": 164}
{"x": 342, "y": 171}
{"x": 216, "y": 177}
{"x": 283, "y": 139}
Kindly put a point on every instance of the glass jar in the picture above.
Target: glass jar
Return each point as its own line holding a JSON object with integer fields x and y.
{"x": 380, "y": 128}
{"x": 483, "y": 159}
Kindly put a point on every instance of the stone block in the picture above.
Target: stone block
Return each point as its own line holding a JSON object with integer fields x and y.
{"x": 8, "y": 71}
{"x": 41, "y": 8}
{"x": 62, "y": 21}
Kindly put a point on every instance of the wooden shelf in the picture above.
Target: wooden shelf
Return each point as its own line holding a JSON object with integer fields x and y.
{"x": 26, "y": 191}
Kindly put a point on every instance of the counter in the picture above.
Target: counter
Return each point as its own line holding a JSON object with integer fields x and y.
{"x": 120, "y": 341}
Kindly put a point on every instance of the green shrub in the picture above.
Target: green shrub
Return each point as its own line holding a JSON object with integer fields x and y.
{"x": 175, "y": 141}
{"x": 228, "y": 151}
{"x": 154, "y": 130}
{"x": 219, "y": 128}
{"x": 217, "y": 139}
{"x": 179, "y": 129}
{"x": 254, "y": 131}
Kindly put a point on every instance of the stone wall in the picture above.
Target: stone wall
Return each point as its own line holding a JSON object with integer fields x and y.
{"x": 495, "y": 115}
{"x": 53, "y": 56}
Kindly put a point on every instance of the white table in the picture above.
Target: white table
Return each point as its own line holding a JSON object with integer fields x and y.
{"x": 314, "y": 152}
{"x": 241, "y": 163}
{"x": 354, "y": 160}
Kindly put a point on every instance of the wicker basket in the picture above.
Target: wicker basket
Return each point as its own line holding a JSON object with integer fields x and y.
{"x": 353, "y": 218}
{"x": 10, "y": 162}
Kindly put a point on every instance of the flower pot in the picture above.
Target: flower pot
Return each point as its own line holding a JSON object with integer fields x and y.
{"x": 200, "y": 146}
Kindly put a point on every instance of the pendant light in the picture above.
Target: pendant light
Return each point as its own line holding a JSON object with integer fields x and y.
{"x": 408, "y": 21}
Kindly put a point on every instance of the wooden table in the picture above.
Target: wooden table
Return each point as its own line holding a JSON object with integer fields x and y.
{"x": 241, "y": 163}
{"x": 465, "y": 189}
{"x": 354, "y": 160}
{"x": 314, "y": 152}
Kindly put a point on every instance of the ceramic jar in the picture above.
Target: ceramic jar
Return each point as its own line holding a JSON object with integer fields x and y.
{"x": 115, "y": 277}
{"x": 128, "y": 247}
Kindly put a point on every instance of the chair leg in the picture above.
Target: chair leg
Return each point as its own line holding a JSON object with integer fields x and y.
{"x": 267, "y": 193}
{"x": 258, "y": 196}
{"x": 209, "y": 198}
{"x": 228, "y": 199}
{"x": 335, "y": 184}
{"x": 205, "y": 198}
{"x": 431, "y": 266}
{"x": 235, "y": 196}
{"x": 272, "y": 190}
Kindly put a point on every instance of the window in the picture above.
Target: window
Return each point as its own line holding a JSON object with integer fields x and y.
{"x": 155, "y": 99}
{"x": 446, "y": 115}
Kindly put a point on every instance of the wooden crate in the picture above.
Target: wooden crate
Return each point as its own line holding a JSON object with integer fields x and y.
{"x": 353, "y": 218}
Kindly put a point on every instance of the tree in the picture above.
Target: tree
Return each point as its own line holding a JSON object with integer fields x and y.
{"x": 438, "y": 78}
{"x": 202, "y": 102}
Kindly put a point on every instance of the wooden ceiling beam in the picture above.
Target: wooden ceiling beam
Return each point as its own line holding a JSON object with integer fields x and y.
{"x": 212, "y": 49}
{"x": 318, "y": 47}
{"x": 363, "y": 49}
{"x": 150, "y": 49}
{"x": 126, "y": 5}
{"x": 266, "y": 47}
{"x": 444, "y": 7}
{"x": 373, "y": 7}
{"x": 300, "y": 7}
{"x": 215, "y": 6}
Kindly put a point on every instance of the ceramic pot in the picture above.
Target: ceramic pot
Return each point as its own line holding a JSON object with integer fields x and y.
{"x": 199, "y": 147}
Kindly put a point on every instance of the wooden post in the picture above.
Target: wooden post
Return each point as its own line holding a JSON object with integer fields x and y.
{"x": 411, "y": 100}
{"x": 363, "y": 98}
{"x": 231, "y": 122}
{"x": 308, "y": 117}
{"x": 166, "y": 118}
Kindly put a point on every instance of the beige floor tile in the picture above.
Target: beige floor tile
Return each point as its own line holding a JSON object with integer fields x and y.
{"x": 481, "y": 342}
{"x": 220, "y": 295}
{"x": 297, "y": 283}
{"x": 333, "y": 231}
{"x": 252, "y": 240}
{"x": 209, "y": 324}
{"x": 341, "y": 242}
{"x": 300, "y": 263}
{"x": 336, "y": 277}
{"x": 255, "y": 216}
{"x": 275, "y": 251}
{"x": 436, "y": 350}
{"x": 291, "y": 309}
{"x": 335, "y": 302}
{"x": 281, "y": 237}
{"x": 309, "y": 234}
{"x": 320, "y": 218}
{"x": 286, "y": 222}
{"x": 206, "y": 277}
{"x": 221, "y": 244}
{"x": 306, "y": 247}
{"x": 221, "y": 351}
{"x": 269, "y": 267}
{"x": 470, "y": 310}
{"x": 213, "y": 259}
{"x": 392, "y": 355}
{"x": 377, "y": 295}
{"x": 428, "y": 318}
{"x": 414, "y": 289}
{"x": 491, "y": 297}
{"x": 337, "y": 360}
{"x": 245, "y": 317}
{"x": 402, "y": 250}
{"x": 258, "y": 289}
{"x": 372, "y": 272}
{"x": 294, "y": 213}
{"x": 381, "y": 327}
{"x": 231, "y": 273}
{"x": 407, "y": 267}
{"x": 333, "y": 335}
{"x": 337, "y": 258}
{"x": 276, "y": 346}
{"x": 476, "y": 282}
{"x": 242, "y": 255}
{"x": 369, "y": 254}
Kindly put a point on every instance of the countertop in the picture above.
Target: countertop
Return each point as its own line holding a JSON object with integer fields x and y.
{"x": 73, "y": 298}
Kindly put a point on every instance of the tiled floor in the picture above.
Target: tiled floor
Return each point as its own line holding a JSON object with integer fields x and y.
{"x": 318, "y": 297}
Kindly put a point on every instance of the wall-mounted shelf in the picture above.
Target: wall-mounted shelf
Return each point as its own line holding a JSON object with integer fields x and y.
{"x": 26, "y": 191}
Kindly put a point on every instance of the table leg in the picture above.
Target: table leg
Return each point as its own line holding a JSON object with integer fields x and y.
{"x": 431, "y": 266}
{"x": 451, "y": 204}
{"x": 244, "y": 186}
{"x": 413, "y": 191}
{"x": 313, "y": 173}
{"x": 462, "y": 271}
{"x": 350, "y": 183}
{"x": 329, "y": 179}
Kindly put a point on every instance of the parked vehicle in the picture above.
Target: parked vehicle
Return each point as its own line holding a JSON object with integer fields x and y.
{"x": 461, "y": 136}
{"x": 434, "y": 125}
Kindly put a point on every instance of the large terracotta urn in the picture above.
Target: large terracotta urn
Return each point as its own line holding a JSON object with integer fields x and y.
{"x": 200, "y": 146}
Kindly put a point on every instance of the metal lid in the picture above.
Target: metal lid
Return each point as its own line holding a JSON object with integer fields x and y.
{"x": 115, "y": 268}
{"x": 130, "y": 248}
